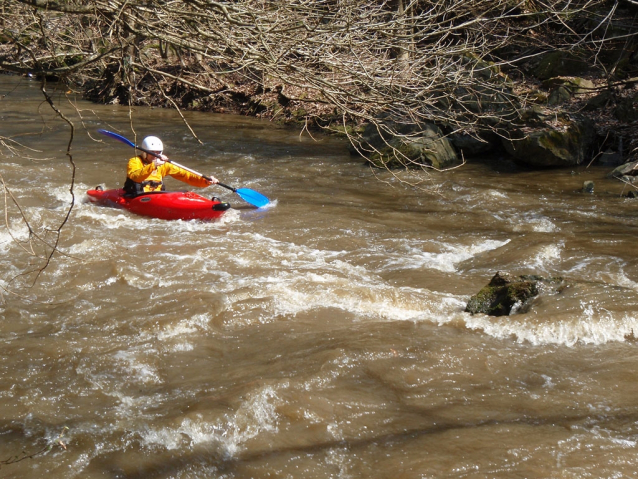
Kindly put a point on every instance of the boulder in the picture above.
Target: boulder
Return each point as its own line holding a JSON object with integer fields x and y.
{"x": 410, "y": 146}
{"x": 559, "y": 96}
{"x": 626, "y": 110}
{"x": 559, "y": 63}
{"x": 475, "y": 144}
{"x": 562, "y": 89}
{"x": 626, "y": 170}
{"x": 550, "y": 139}
{"x": 588, "y": 186}
{"x": 600, "y": 101}
{"x": 574, "y": 85}
{"x": 506, "y": 294}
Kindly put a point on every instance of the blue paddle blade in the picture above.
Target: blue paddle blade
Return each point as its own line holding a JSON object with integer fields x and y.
{"x": 252, "y": 197}
{"x": 117, "y": 137}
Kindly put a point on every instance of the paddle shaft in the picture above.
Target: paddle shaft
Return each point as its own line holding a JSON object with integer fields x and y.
{"x": 185, "y": 168}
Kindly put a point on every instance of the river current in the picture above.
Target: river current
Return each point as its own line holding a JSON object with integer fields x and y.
{"x": 321, "y": 336}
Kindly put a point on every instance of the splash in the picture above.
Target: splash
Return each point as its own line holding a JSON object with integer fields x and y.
{"x": 445, "y": 260}
{"x": 256, "y": 416}
{"x": 594, "y": 325}
{"x": 534, "y": 222}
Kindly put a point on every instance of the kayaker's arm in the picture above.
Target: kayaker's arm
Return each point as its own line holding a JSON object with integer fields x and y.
{"x": 211, "y": 180}
{"x": 186, "y": 176}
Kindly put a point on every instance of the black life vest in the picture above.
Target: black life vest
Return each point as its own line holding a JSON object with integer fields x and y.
{"x": 133, "y": 188}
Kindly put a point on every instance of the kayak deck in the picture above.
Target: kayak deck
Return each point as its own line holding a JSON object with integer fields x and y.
{"x": 166, "y": 205}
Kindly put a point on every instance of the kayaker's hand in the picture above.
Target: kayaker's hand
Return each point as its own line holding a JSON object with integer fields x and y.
{"x": 157, "y": 162}
{"x": 212, "y": 180}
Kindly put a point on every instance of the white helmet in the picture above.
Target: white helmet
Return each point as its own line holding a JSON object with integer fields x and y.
{"x": 153, "y": 143}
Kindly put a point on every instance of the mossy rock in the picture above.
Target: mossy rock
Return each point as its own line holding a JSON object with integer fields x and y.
{"x": 573, "y": 84}
{"x": 506, "y": 294}
{"x": 346, "y": 130}
{"x": 626, "y": 171}
{"x": 559, "y": 96}
{"x": 556, "y": 64}
{"x": 564, "y": 140}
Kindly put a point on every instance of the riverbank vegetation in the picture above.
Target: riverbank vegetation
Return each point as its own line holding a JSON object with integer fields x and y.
{"x": 412, "y": 83}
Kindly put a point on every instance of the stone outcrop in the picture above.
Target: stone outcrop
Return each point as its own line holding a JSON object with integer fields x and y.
{"x": 410, "y": 148}
{"x": 549, "y": 139}
{"x": 563, "y": 89}
{"x": 559, "y": 63}
{"x": 627, "y": 171}
{"x": 540, "y": 136}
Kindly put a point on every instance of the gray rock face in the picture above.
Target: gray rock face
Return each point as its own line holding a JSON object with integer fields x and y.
{"x": 627, "y": 171}
{"x": 550, "y": 140}
{"x": 428, "y": 147}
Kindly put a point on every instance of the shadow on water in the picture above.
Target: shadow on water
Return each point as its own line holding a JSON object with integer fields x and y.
{"x": 206, "y": 456}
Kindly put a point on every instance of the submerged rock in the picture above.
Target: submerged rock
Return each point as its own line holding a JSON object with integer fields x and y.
{"x": 588, "y": 186}
{"x": 506, "y": 294}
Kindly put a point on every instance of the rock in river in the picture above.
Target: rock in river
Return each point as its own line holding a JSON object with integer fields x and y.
{"x": 506, "y": 294}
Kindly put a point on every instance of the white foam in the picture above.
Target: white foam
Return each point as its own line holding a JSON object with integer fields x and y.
{"x": 63, "y": 195}
{"x": 301, "y": 279}
{"x": 182, "y": 347}
{"x": 109, "y": 218}
{"x": 621, "y": 279}
{"x": 137, "y": 279}
{"x": 136, "y": 368}
{"x": 446, "y": 260}
{"x": 595, "y": 325}
{"x": 88, "y": 248}
{"x": 18, "y": 231}
{"x": 296, "y": 293}
{"x": 546, "y": 257}
{"x": 194, "y": 325}
{"x": 534, "y": 222}
{"x": 496, "y": 194}
{"x": 6, "y": 241}
{"x": 257, "y": 415}
{"x": 272, "y": 204}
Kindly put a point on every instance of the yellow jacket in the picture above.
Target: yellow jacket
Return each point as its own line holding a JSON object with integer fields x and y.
{"x": 139, "y": 172}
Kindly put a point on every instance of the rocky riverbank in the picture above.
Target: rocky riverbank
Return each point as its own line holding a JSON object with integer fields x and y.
{"x": 570, "y": 116}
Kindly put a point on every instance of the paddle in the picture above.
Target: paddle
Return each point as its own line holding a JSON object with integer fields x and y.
{"x": 246, "y": 194}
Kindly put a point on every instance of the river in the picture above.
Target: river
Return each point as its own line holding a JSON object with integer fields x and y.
{"x": 321, "y": 336}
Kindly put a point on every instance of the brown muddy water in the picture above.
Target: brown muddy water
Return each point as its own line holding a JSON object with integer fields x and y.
{"x": 321, "y": 336}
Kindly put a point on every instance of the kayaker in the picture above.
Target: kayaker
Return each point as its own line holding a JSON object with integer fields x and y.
{"x": 146, "y": 173}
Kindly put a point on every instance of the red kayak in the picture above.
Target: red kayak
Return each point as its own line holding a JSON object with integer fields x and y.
{"x": 165, "y": 205}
